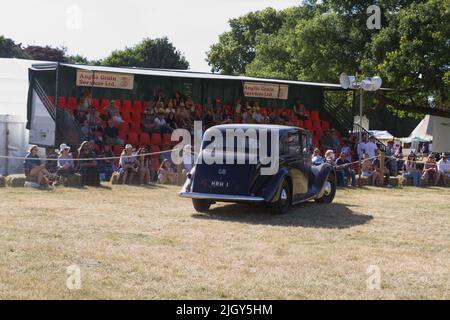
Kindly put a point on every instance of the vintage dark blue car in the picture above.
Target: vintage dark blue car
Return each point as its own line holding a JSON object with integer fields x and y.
{"x": 296, "y": 180}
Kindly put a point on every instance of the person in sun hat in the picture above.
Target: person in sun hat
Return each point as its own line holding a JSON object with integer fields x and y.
{"x": 34, "y": 167}
{"x": 128, "y": 165}
{"x": 66, "y": 166}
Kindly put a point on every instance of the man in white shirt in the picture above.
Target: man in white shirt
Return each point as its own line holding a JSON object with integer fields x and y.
{"x": 371, "y": 147}
{"x": 443, "y": 167}
{"x": 361, "y": 148}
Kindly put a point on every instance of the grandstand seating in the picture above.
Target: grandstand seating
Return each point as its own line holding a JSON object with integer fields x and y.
{"x": 131, "y": 110}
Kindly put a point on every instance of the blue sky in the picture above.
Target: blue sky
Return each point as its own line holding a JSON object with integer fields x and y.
{"x": 95, "y": 28}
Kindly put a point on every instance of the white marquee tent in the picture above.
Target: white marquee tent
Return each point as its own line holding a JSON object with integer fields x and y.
{"x": 431, "y": 129}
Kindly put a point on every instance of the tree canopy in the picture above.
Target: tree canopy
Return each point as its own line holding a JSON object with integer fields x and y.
{"x": 150, "y": 53}
{"x": 318, "y": 41}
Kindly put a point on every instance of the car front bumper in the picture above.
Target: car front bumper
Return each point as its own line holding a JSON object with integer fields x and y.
{"x": 220, "y": 197}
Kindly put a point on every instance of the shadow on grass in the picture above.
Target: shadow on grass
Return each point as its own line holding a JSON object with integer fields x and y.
{"x": 308, "y": 215}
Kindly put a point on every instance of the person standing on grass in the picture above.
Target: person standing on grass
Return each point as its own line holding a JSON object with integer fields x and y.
{"x": 35, "y": 168}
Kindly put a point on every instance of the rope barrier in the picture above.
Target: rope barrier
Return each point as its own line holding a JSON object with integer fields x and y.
{"x": 91, "y": 159}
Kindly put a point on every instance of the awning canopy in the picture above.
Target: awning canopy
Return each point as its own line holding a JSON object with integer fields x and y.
{"x": 183, "y": 74}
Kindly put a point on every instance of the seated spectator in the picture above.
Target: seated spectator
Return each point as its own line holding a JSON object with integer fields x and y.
{"x": 178, "y": 99}
{"x": 317, "y": 158}
{"x": 257, "y": 116}
{"x": 246, "y": 114}
{"x": 391, "y": 160}
{"x": 430, "y": 169}
{"x": 51, "y": 164}
{"x": 346, "y": 149}
{"x": 299, "y": 110}
{"x": 368, "y": 170}
{"x": 171, "y": 121}
{"x": 343, "y": 165}
{"x": 330, "y": 157}
{"x": 106, "y": 166}
{"x": 410, "y": 170}
{"x": 160, "y": 122}
{"x": 335, "y": 142}
{"x": 35, "y": 168}
{"x": 113, "y": 113}
{"x": 208, "y": 119}
{"x": 327, "y": 140}
{"x": 128, "y": 165}
{"x": 143, "y": 163}
{"x": 80, "y": 117}
{"x": 443, "y": 167}
{"x": 166, "y": 173}
{"x": 148, "y": 124}
{"x": 217, "y": 117}
{"x": 111, "y": 134}
{"x": 88, "y": 168}
{"x": 66, "y": 166}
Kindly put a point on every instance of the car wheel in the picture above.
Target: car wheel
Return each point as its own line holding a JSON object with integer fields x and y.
{"x": 201, "y": 205}
{"x": 282, "y": 205}
{"x": 330, "y": 190}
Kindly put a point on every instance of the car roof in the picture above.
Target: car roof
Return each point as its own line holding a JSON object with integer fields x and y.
{"x": 258, "y": 127}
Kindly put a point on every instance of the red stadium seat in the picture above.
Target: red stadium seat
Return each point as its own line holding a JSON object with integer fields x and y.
{"x": 96, "y": 103}
{"x": 308, "y": 125}
{"x": 126, "y": 105}
{"x": 72, "y": 103}
{"x": 104, "y": 103}
{"x": 167, "y": 139}
{"x": 155, "y": 150}
{"x": 126, "y": 116}
{"x": 133, "y": 138}
{"x": 137, "y": 106}
{"x": 52, "y": 99}
{"x": 156, "y": 139}
{"x": 145, "y": 139}
{"x": 136, "y": 116}
{"x": 62, "y": 102}
{"x": 315, "y": 115}
{"x": 123, "y": 136}
{"x": 117, "y": 149}
{"x": 146, "y": 104}
{"x": 325, "y": 125}
{"x": 316, "y": 125}
{"x": 135, "y": 127}
{"x": 279, "y": 111}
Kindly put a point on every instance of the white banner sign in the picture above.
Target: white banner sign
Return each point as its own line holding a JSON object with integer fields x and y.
{"x": 86, "y": 78}
{"x": 265, "y": 90}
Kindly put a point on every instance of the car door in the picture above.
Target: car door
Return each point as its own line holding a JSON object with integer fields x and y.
{"x": 292, "y": 151}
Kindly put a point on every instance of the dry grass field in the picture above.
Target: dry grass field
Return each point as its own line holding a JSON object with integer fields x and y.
{"x": 133, "y": 242}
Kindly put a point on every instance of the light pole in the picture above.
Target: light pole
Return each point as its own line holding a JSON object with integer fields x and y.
{"x": 368, "y": 84}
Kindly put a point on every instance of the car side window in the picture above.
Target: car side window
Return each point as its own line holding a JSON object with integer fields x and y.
{"x": 291, "y": 144}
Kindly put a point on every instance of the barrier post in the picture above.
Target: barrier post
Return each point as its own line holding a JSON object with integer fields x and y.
{"x": 382, "y": 166}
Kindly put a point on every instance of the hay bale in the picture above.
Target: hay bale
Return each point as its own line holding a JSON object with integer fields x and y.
{"x": 74, "y": 180}
{"x": 16, "y": 180}
{"x": 2, "y": 181}
{"x": 396, "y": 181}
{"x": 363, "y": 181}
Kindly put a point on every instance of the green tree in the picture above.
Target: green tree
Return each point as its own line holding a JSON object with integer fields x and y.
{"x": 78, "y": 59}
{"x": 9, "y": 49}
{"x": 236, "y": 48}
{"x": 47, "y": 53}
{"x": 150, "y": 53}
